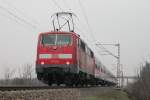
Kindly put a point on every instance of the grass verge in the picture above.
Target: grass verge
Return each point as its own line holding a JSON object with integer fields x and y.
{"x": 109, "y": 95}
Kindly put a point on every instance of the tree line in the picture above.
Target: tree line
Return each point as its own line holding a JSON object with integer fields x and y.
{"x": 140, "y": 90}
{"x": 24, "y": 75}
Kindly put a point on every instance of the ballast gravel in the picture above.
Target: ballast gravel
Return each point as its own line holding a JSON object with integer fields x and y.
{"x": 49, "y": 94}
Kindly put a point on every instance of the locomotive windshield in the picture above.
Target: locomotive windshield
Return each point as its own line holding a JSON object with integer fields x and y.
{"x": 56, "y": 39}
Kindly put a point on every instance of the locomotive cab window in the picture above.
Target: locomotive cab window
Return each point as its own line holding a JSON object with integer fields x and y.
{"x": 56, "y": 39}
{"x": 64, "y": 39}
{"x": 48, "y": 39}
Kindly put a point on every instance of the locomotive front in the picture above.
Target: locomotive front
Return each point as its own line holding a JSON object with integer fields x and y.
{"x": 56, "y": 57}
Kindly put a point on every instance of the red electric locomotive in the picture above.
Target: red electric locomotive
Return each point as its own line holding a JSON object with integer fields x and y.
{"x": 62, "y": 57}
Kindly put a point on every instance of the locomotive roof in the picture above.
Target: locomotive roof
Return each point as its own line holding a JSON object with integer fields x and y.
{"x": 59, "y": 32}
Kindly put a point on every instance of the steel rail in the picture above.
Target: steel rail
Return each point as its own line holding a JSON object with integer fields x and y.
{"x": 23, "y": 88}
{"x": 16, "y": 88}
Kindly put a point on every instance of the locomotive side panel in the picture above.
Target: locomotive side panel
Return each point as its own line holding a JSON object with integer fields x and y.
{"x": 86, "y": 58}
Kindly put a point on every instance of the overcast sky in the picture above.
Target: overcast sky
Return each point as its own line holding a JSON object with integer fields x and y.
{"x": 112, "y": 21}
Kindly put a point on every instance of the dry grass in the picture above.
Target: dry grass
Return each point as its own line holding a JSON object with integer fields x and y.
{"x": 105, "y": 94}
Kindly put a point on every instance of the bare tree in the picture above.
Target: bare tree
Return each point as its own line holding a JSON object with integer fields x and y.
{"x": 24, "y": 76}
{"x": 27, "y": 71}
{"x": 8, "y": 74}
{"x": 140, "y": 90}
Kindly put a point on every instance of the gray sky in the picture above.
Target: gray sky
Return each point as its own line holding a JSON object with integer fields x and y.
{"x": 112, "y": 21}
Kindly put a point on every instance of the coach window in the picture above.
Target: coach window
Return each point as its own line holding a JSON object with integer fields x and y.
{"x": 104, "y": 70}
{"x": 87, "y": 51}
{"x": 79, "y": 42}
{"x": 96, "y": 65}
{"x": 82, "y": 45}
{"x": 92, "y": 54}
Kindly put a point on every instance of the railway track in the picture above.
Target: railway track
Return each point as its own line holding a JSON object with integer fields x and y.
{"x": 17, "y": 88}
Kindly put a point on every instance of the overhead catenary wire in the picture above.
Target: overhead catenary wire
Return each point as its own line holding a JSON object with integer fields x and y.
{"x": 67, "y": 5}
{"x": 82, "y": 33}
{"x": 16, "y": 21}
{"x": 87, "y": 21}
{"x": 18, "y": 18}
{"x": 107, "y": 51}
{"x": 23, "y": 15}
{"x": 20, "y": 12}
{"x": 88, "y": 25}
{"x": 57, "y": 5}
{"x": 93, "y": 40}
{"x": 90, "y": 29}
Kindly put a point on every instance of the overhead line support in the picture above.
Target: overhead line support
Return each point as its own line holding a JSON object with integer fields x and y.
{"x": 118, "y": 74}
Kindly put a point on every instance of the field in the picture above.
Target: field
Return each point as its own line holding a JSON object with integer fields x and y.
{"x": 103, "y": 94}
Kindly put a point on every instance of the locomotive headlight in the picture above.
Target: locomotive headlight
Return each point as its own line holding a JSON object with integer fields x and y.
{"x": 67, "y": 62}
{"x": 42, "y": 63}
